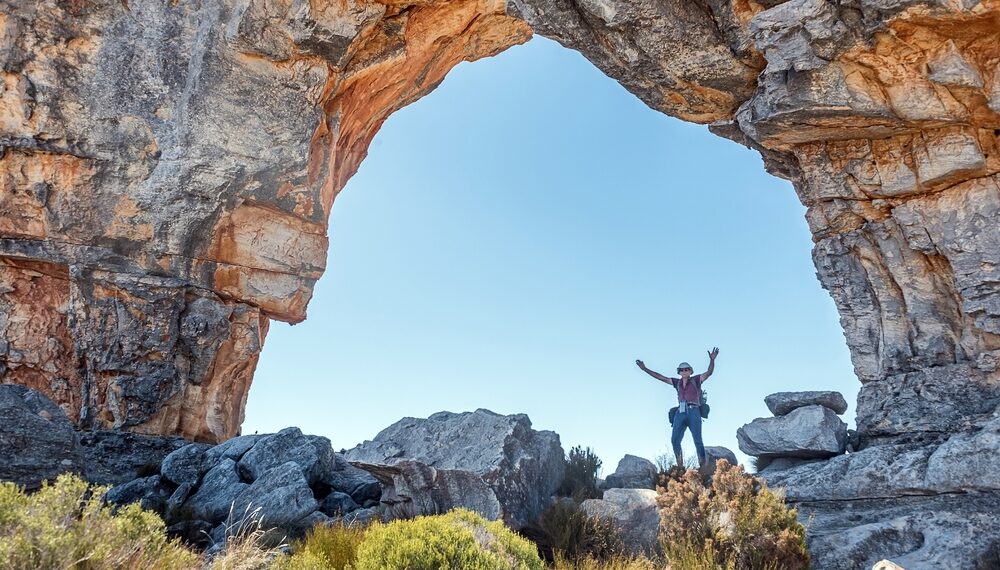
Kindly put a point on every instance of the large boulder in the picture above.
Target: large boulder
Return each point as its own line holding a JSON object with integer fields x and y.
{"x": 781, "y": 403}
{"x": 214, "y": 499}
{"x": 313, "y": 454}
{"x": 360, "y": 485}
{"x": 412, "y": 488}
{"x": 280, "y": 497}
{"x": 185, "y": 465}
{"x": 635, "y": 515}
{"x": 37, "y": 440}
{"x": 632, "y": 473}
{"x": 521, "y": 465}
{"x": 810, "y": 431}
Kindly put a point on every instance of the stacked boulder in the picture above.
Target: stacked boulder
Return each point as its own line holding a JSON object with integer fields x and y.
{"x": 806, "y": 427}
{"x": 494, "y": 464}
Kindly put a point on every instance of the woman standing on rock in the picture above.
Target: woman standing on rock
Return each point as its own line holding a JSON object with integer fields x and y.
{"x": 689, "y": 411}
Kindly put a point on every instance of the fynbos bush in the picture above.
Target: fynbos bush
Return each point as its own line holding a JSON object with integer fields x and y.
{"x": 580, "y": 480}
{"x": 458, "y": 539}
{"x": 67, "y": 525}
{"x": 333, "y": 547}
{"x": 736, "y": 523}
{"x": 566, "y": 532}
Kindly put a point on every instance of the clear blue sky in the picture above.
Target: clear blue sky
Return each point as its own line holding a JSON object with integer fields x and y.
{"x": 516, "y": 239}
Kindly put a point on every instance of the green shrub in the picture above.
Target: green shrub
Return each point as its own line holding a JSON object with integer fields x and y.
{"x": 736, "y": 523}
{"x": 580, "y": 480}
{"x": 618, "y": 562}
{"x": 565, "y": 531}
{"x": 333, "y": 547}
{"x": 458, "y": 539}
{"x": 66, "y": 525}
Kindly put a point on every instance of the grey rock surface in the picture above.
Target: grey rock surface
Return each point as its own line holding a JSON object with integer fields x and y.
{"x": 185, "y": 465}
{"x": 150, "y": 492}
{"x": 632, "y": 472}
{"x": 213, "y": 501}
{"x": 810, "y": 431}
{"x": 282, "y": 495}
{"x": 914, "y": 532}
{"x": 313, "y": 454}
{"x": 949, "y": 464}
{"x": 169, "y": 169}
{"x": 713, "y": 453}
{"x": 338, "y": 503}
{"x": 111, "y": 457}
{"x": 37, "y": 441}
{"x": 781, "y": 403}
{"x": 522, "y": 466}
{"x": 361, "y": 485}
{"x": 634, "y": 513}
{"x": 412, "y": 488}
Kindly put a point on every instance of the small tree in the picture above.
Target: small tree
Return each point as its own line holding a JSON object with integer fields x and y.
{"x": 580, "y": 480}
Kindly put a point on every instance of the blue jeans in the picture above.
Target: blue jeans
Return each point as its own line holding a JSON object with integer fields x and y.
{"x": 689, "y": 419}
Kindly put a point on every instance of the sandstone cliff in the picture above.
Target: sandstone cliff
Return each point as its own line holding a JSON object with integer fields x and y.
{"x": 168, "y": 170}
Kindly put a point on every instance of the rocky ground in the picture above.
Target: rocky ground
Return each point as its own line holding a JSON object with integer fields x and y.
{"x": 906, "y": 501}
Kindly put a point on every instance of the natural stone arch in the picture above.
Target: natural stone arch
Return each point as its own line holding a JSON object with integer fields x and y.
{"x": 170, "y": 168}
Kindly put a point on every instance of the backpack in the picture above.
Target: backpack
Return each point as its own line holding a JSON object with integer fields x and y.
{"x": 703, "y": 406}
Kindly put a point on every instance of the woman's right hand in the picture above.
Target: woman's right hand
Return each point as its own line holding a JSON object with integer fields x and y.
{"x": 640, "y": 364}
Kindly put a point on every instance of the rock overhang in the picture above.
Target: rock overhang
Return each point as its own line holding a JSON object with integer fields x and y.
{"x": 168, "y": 171}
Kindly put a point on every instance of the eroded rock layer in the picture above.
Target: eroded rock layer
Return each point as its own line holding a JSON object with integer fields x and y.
{"x": 168, "y": 170}
{"x": 167, "y": 173}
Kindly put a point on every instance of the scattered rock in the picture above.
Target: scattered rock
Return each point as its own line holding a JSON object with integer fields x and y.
{"x": 338, "y": 504}
{"x": 632, "y": 473}
{"x": 634, "y": 513}
{"x": 361, "y": 485}
{"x": 781, "y": 403}
{"x": 112, "y": 457}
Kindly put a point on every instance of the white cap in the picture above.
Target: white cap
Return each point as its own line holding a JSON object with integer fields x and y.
{"x": 683, "y": 365}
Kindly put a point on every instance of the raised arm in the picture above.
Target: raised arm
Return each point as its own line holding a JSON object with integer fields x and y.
{"x": 711, "y": 364}
{"x": 654, "y": 374}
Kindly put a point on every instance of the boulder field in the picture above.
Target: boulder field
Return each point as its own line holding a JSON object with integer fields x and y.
{"x": 168, "y": 169}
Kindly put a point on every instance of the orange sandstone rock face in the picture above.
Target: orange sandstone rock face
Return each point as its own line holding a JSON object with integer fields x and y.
{"x": 166, "y": 177}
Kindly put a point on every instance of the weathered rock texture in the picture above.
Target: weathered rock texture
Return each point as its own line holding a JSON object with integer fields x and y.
{"x": 497, "y": 465}
{"x": 168, "y": 170}
{"x": 808, "y": 432}
{"x": 632, "y": 472}
{"x": 634, "y": 513}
